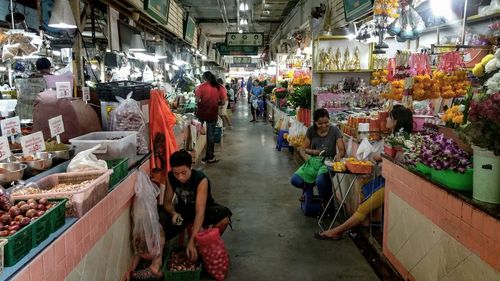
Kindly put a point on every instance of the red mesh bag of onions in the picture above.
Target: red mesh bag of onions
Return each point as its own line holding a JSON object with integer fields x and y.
{"x": 214, "y": 254}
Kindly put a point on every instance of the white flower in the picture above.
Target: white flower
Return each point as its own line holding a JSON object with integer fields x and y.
{"x": 491, "y": 65}
{"x": 461, "y": 108}
{"x": 497, "y": 54}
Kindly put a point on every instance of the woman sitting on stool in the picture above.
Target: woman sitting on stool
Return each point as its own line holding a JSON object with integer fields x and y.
{"x": 322, "y": 140}
{"x": 399, "y": 119}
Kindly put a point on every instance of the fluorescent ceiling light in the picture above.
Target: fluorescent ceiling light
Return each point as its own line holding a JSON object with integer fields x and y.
{"x": 240, "y": 30}
{"x": 179, "y": 62}
{"x": 243, "y": 7}
{"x": 62, "y": 15}
{"x": 203, "y": 57}
{"x": 442, "y": 8}
{"x": 136, "y": 44}
{"x": 56, "y": 53}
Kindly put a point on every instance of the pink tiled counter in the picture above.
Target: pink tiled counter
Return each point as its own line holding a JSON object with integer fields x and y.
{"x": 433, "y": 234}
{"x": 66, "y": 258}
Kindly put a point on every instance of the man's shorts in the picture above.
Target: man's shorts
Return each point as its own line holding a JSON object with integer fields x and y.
{"x": 214, "y": 213}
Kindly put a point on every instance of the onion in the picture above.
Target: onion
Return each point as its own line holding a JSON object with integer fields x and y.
{"x": 43, "y": 201}
{"x": 31, "y": 200}
{"x": 31, "y": 213}
{"x": 33, "y": 205}
{"x": 20, "y": 203}
{"x": 25, "y": 221}
{"x": 5, "y": 219}
{"x": 4, "y": 233}
{"x": 24, "y": 208}
{"x": 41, "y": 207}
{"x": 14, "y": 227}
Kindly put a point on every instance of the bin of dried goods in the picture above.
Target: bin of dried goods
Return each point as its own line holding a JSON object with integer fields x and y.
{"x": 113, "y": 145}
{"x": 83, "y": 189}
{"x": 178, "y": 267}
{"x": 60, "y": 150}
{"x": 36, "y": 162}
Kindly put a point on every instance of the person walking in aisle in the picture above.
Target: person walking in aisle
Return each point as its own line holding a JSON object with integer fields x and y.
{"x": 249, "y": 87}
{"x": 234, "y": 86}
{"x": 209, "y": 95}
{"x": 223, "y": 107}
{"x": 256, "y": 96}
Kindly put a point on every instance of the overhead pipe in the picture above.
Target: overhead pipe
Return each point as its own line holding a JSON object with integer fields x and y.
{"x": 238, "y": 15}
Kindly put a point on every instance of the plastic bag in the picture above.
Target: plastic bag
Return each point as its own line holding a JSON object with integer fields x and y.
{"x": 364, "y": 150}
{"x": 128, "y": 117}
{"x": 214, "y": 254}
{"x": 146, "y": 233}
{"x": 285, "y": 124}
{"x": 87, "y": 161}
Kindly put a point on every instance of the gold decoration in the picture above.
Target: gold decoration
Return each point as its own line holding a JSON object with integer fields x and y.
{"x": 356, "y": 61}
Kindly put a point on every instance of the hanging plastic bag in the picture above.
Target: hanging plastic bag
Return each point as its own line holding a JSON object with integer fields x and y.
{"x": 146, "y": 233}
{"x": 213, "y": 252}
{"x": 293, "y": 131}
{"x": 285, "y": 124}
{"x": 128, "y": 117}
{"x": 364, "y": 150}
{"x": 87, "y": 161}
{"x": 255, "y": 103}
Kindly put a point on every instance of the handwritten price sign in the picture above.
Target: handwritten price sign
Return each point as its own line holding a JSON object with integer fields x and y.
{"x": 4, "y": 148}
{"x": 56, "y": 126}
{"x": 10, "y": 126}
{"x": 63, "y": 90}
{"x": 86, "y": 93}
{"x": 33, "y": 143}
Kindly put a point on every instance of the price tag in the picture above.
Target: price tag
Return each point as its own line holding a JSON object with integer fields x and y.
{"x": 56, "y": 126}
{"x": 33, "y": 143}
{"x": 86, "y": 94}
{"x": 63, "y": 90}
{"x": 11, "y": 126}
{"x": 4, "y": 148}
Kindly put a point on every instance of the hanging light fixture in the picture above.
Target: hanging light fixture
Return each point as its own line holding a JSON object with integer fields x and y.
{"x": 62, "y": 15}
{"x": 243, "y": 6}
{"x": 136, "y": 44}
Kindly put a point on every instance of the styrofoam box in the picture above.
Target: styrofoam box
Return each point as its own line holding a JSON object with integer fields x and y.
{"x": 110, "y": 149}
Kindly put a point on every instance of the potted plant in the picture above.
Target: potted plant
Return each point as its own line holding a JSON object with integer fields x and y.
{"x": 301, "y": 98}
{"x": 394, "y": 143}
{"x": 483, "y": 131}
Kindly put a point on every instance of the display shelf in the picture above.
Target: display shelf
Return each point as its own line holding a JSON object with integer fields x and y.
{"x": 332, "y": 37}
{"x": 344, "y": 71}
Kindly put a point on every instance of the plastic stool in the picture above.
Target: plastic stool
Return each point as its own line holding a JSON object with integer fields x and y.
{"x": 282, "y": 143}
{"x": 311, "y": 206}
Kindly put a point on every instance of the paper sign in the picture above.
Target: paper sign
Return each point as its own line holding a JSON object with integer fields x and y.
{"x": 145, "y": 112}
{"x": 11, "y": 126}
{"x": 33, "y": 143}
{"x": 4, "y": 148}
{"x": 63, "y": 90}
{"x": 86, "y": 93}
{"x": 56, "y": 126}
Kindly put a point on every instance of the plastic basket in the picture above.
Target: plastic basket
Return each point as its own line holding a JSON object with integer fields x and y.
{"x": 359, "y": 169}
{"x": 108, "y": 91}
{"x": 25, "y": 239}
{"x": 120, "y": 170}
{"x": 114, "y": 145}
{"x": 453, "y": 180}
{"x": 80, "y": 202}
{"x": 424, "y": 169}
{"x": 179, "y": 275}
{"x": 2, "y": 245}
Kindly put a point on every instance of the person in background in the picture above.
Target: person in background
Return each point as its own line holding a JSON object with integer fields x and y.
{"x": 322, "y": 140}
{"x": 255, "y": 95}
{"x": 231, "y": 96}
{"x": 43, "y": 67}
{"x": 195, "y": 204}
{"x": 248, "y": 87}
{"x": 234, "y": 87}
{"x": 223, "y": 106}
{"x": 209, "y": 95}
{"x": 400, "y": 119}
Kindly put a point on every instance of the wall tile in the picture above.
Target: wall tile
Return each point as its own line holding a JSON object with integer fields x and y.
{"x": 36, "y": 269}
{"x": 477, "y": 219}
{"x": 24, "y": 275}
{"x": 60, "y": 249}
{"x": 48, "y": 260}
{"x": 61, "y": 270}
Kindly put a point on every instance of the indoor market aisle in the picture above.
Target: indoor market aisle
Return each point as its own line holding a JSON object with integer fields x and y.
{"x": 271, "y": 238}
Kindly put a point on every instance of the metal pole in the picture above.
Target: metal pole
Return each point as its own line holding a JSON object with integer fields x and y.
{"x": 464, "y": 21}
{"x": 12, "y": 14}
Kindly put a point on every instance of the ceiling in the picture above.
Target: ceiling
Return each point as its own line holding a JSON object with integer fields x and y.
{"x": 263, "y": 15}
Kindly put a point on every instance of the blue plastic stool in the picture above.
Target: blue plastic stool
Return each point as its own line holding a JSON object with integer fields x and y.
{"x": 282, "y": 143}
{"x": 311, "y": 206}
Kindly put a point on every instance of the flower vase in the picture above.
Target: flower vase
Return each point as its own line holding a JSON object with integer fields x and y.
{"x": 392, "y": 151}
{"x": 486, "y": 176}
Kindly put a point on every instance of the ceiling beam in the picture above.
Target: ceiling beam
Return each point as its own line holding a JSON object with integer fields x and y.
{"x": 219, "y": 20}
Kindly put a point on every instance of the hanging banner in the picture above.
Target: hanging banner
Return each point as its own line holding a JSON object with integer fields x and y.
{"x": 225, "y": 50}
{"x": 157, "y": 9}
{"x": 244, "y": 60}
{"x": 355, "y": 9}
{"x": 245, "y": 39}
{"x": 189, "y": 28}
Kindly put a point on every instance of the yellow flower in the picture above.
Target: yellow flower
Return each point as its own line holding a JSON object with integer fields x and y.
{"x": 478, "y": 70}
{"x": 486, "y": 59}
{"x": 458, "y": 119}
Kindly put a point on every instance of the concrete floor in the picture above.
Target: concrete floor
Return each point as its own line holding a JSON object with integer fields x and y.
{"x": 271, "y": 238}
